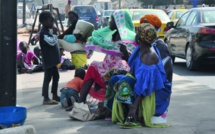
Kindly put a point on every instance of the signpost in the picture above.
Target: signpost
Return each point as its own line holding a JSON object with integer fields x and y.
{"x": 195, "y": 2}
{"x": 8, "y": 40}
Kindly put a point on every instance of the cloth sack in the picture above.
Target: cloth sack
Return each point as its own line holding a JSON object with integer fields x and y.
{"x": 67, "y": 65}
{"x": 81, "y": 112}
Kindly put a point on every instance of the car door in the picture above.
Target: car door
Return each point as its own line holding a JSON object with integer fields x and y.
{"x": 189, "y": 27}
{"x": 178, "y": 35}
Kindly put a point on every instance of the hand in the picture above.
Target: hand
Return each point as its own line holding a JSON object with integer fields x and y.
{"x": 123, "y": 49}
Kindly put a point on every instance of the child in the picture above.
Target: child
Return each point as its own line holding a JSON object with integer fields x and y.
{"x": 72, "y": 38}
{"x": 70, "y": 92}
{"x": 37, "y": 60}
{"x": 25, "y": 58}
{"x": 50, "y": 56}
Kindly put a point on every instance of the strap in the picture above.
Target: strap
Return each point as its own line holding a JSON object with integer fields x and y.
{"x": 165, "y": 60}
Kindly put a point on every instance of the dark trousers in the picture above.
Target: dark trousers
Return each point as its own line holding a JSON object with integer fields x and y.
{"x": 50, "y": 73}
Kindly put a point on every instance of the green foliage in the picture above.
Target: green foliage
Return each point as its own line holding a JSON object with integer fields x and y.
{"x": 159, "y": 2}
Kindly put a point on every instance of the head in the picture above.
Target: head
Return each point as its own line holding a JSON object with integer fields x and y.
{"x": 121, "y": 20}
{"x": 23, "y": 47}
{"x": 73, "y": 17}
{"x": 146, "y": 34}
{"x": 46, "y": 19}
{"x": 69, "y": 2}
{"x": 80, "y": 72}
{"x": 37, "y": 51}
{"x": 78, "y": 36}
{"x": 152, "y": 19}
{"x": 112, "y": 23}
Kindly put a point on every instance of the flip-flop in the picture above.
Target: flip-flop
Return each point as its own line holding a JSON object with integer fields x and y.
{"x": 50, "y": 102}
{"x": 128, "y": 125}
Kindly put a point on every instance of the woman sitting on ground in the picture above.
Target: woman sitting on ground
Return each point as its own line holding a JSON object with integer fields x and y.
{"x": 108, "y": 40}
{"x": 136, "y": 97}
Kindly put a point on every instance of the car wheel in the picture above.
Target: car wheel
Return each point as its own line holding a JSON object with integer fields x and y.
{"x": 190, "y": 63}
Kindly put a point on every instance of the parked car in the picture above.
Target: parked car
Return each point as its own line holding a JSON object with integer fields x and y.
{"x": 105, "y": 15}
{"x": 137, "y": 14}
{"x": 87, "y": 13}
{"x": 20, "y": 11}
{"x": 193, "y": 37}
{"x": 174, "y": 15}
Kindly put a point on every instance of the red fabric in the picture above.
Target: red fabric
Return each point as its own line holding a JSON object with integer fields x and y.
{"x": 92, "y": 73}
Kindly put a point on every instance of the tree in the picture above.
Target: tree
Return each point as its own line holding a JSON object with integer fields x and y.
{"x": 208, "y": 2}
{"x": 159, "y": 2}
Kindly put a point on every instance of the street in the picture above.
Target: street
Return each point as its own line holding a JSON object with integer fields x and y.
{"x": 205, "y": 76}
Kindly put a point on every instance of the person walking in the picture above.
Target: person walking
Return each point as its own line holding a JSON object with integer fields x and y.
{"x": 50, "y": 57}
{"x": 33, "y": 10}
{"x": 68, "y": 8}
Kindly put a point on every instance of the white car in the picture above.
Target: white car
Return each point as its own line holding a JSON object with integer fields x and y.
{"x": 104, "y": 19}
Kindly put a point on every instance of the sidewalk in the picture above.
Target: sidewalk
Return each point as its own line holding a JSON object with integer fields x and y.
{"x": 191, "y": 110}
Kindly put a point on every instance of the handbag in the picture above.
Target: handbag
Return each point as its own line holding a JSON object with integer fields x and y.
{"x": 81, "y": 112}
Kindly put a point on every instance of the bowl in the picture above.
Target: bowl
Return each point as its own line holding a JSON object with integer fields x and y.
{"x": 12, "y": 115}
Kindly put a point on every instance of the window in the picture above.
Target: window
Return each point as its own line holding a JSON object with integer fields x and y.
{"x": 85, "y": 10}
{"x": 208, "y": 16}
{"x": 137, "y": 15}
{"x": 170, "y": 15}
{"x": 179, "y": 14}
{"x": 182, "y": 20}
{"x": 191, "y": 17}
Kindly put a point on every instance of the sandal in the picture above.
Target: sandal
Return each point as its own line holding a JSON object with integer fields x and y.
{"x": 128, "y": 125}
{"x": 50, "y": 102}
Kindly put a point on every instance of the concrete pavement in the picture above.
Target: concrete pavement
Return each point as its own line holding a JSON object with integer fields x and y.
{"x": 191, "y": 110}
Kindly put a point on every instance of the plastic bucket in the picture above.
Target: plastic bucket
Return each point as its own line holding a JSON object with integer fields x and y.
{"x": 12, "y": 116}
{"x": 79, "y": 58}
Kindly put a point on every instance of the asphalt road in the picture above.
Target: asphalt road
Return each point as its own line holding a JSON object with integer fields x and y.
{"x": 205, "y": 76}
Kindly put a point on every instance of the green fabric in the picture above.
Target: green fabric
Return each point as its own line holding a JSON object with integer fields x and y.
{"x": 101, "y": 39}
{"x": 148, "y": 103}
{"x": 148, "y": 110}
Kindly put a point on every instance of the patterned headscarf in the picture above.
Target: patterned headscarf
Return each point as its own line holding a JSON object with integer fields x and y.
{"x": 101, "y": 39}
{"x": 152, "y": 19}
{"x": 147, "y": 33}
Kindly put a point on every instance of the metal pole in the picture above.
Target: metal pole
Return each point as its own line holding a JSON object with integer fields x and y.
{"x": 8, "y": 40}
{"x": 119, "y": 4}
{"x": 24, "y": 13}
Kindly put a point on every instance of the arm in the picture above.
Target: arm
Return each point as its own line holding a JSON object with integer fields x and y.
{"x": 125, "y": 52}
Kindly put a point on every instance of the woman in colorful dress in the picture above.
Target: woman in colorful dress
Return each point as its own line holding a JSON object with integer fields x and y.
{"x": 145, "y": 91}
{"x": 109, "y": 40}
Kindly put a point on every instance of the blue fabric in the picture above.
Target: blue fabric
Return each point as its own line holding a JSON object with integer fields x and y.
{"x": 151, "y": 78}
{"x": 70, "y": 38}
{"x": 68, "y": 93}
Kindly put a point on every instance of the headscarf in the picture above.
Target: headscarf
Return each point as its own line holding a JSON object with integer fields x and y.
{"x": 152, "y": 19}
{"x": 147, "y": 33}
{"x": 101, "y": 39}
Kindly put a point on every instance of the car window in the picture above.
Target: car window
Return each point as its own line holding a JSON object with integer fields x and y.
{"x": 208, "y": 16}
{"x": 179, "y": 14}
{"x": 170, "y": 15}
{"x": 137, "y": 15}
{"x": 182, "y": 20}
{"x": 191, "y": 17}
{"x": 108, "y": 13}
{"x": 85, "y": 10}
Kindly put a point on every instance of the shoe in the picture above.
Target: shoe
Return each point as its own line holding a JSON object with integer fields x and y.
{"x": 65, "y": 103}
{"x": 50, "y": 102}
{"x": 57, "y": 98}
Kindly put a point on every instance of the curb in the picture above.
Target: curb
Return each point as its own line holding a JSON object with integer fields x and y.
{"x": 28, "y": 129}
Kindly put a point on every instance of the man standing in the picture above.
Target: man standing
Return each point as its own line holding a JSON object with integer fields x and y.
{"x": 68, "y": 8}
